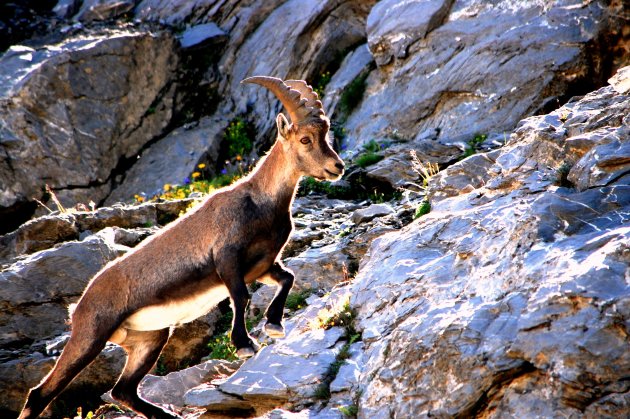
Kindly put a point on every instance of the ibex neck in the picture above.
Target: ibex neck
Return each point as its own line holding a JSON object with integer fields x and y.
{"x": 276, "y": 177}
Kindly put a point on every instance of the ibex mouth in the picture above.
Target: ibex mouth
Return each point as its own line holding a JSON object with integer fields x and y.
{"x": 333, "y": 175}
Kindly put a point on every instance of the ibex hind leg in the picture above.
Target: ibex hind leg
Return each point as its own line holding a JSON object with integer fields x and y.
{"x": 143, "y": 350}
{"x": 78, "y": 353}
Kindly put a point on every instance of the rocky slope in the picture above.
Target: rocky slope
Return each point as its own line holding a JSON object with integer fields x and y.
{"x": 510, "y": 298}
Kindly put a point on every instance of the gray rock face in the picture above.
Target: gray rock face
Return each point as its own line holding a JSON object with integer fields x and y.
{"x": 35, "y": 292}
{"x": 511, "y": 291}
{"x": 45, "y": 232}
{"x": 373, "y": 211}
{"x": 171, "y": 388}
{"x": 71, "y": 112}
{"x": 394, "y": 25}
{"x": 92, "y": 10}
{"x": 446, "y": 63}
{"x": 354, "y": 65}
{"x": 287, "y": 372}
{"x": 171, "y": 159}
{"x": 201, "y": 35}
{"x": 296, "y": 50}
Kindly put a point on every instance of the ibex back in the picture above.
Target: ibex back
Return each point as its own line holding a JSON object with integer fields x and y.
{"x": 232, "y": 239}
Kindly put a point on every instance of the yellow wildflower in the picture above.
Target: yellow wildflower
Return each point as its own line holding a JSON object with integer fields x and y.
{"x": 167, "y": 187}
{"x": 201, "y": 165}
{"x": 139, "y": 198}
{"x": 238, "y": 157}
{"x": 195, "y": 175}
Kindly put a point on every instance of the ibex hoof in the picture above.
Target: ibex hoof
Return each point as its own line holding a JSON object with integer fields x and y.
{"x": 245, "y": 353}
{"x": 274, "y": 331}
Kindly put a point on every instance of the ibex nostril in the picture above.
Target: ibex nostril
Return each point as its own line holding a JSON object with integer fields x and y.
{"x": 340, "y": 165}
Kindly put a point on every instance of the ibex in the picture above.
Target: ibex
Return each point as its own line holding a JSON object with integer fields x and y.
{"x": 213, "y": 252}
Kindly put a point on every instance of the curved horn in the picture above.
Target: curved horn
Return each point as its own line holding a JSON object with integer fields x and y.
{"x": 291, "y": 98}
{"x": 306, "y": 92}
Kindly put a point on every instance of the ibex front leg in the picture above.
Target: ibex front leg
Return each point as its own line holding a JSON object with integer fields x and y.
{"x": 284, "y": 278}
{"x": 239, "y": 297}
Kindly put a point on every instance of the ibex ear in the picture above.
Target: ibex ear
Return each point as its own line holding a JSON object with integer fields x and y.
{"x": 283, "y": 126}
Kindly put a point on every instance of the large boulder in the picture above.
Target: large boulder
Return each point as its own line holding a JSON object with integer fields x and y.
{"x": 448, "y": 70}
{"x": 73, "y": 114}
{"x": 35, "y": 292}
{"x": 510, "y": 298}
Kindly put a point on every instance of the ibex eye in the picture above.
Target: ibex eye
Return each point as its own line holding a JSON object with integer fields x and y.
{"x": 305, "y": 140}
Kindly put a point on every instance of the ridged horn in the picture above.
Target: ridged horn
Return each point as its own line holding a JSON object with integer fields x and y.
{"x": 306, "y": 92}
{"x": 299, "y": 105}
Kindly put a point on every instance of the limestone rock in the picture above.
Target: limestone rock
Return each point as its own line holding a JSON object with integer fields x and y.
{"x": 508, "y": 292}
{"x": 202, "y": 35}
{"x": 171, "y": 388}
{"x": 319, "y": 268}
{"x": 93, "y": 10}
{"x": 171, "y": 159}
{"x": 449, "y": 62}
{"x": 347, "y": 378}
{"x": 373, "y": 211}
{"x": 353, "y": 66}
{"x": 35, "y": 292}
{"x": 621, "y": 80}
{"x": 313, "y": 38}
{"x": 391, "y": 28}
{"x": 72, "y": 111}
{"x": 66, "y": 8}
{"x": 45, "y": 232}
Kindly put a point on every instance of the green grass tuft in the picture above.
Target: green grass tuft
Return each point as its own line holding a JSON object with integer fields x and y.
{"x": 297, "y": 300}
{"x": 367, "y": 159}
{"x": 349, "y": 411}
{"x": 238, "y": 138}
{"x": 473, "y": 145}
{"x": 422, "y": 209}
{"x": 353, "y": 94}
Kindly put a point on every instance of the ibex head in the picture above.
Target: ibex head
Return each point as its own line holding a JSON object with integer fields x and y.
{"x": 306, "y": 138}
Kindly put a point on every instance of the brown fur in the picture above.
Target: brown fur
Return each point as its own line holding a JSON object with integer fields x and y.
{"x": 232, "y": 239}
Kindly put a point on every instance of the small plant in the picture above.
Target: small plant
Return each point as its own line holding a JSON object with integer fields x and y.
{"x": 79, "y": 414}
{"x": 220, "y": 344}
{"x": 425, "y": 170}
{"x": 473, "y": 145}
{"x": 349, "y": 411}
{"x": 160, "y": 367}
{"x": 221, "y": 348}
{"x": 353, "y": 94}
{"x": 338, "y": 135}
{"x": 310, "y": 185}
{"x": 319, "y": 86}
{"x": 342, "y": 317}
{"x": 238, "y": 139}
{"x": 297, "y": 300}
{"x": 422, "y": 209}
{"x": 195, "y": 183}
{"x": 370, "y": 155}
{"x": 337, "y": 316}
{"x": 367, "y": 159}
{"x": 562, "y": 175}
{"x": 344, "y": 232}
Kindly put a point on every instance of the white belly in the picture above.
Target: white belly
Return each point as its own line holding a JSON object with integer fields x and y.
{"x": 176, "y": 312}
